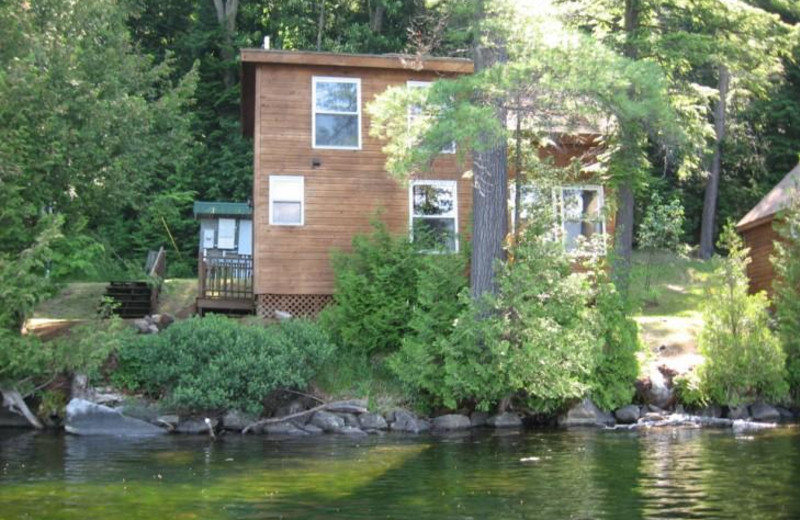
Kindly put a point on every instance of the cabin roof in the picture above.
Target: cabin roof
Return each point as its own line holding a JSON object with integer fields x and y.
{"x": 222, "y": 209}
{"x": 776, "y": 200}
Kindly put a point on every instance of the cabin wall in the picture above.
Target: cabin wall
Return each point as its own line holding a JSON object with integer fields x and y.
{"x": 342, "y": 194}
{"x": 761, "y": 241}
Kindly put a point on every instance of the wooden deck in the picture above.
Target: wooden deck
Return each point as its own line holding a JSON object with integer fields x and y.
{"x": 225, "y": 284}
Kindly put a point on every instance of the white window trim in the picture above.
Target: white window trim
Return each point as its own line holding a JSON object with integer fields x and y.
{"x": 558, "y": 198}
{"x": 314, "y": 112}
{"x": 446, "y": 184}
{"x": 451, "y": 148}
{"x": 288, "y": 178}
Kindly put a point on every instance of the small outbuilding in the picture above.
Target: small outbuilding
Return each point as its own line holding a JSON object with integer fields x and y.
{"x": 757, "y": 229}
{"x": 225, "y": 256}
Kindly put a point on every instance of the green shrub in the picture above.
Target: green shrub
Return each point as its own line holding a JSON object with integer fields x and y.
{"x": 744, "y": 360}
{"x": 787, "y": 294}
{"x": 214, "y": 363}
{"x": 375, "y": 290}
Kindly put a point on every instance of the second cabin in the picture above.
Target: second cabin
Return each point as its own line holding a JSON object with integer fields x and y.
{"x": 319, "y": 177}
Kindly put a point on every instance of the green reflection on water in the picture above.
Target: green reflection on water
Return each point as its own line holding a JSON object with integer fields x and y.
{"x": 578, "y": 474}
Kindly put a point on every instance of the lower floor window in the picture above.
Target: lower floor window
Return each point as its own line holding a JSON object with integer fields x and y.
{"x": 433, "y": 214}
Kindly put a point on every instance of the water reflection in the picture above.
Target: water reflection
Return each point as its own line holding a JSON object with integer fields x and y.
{"x": 578, "y": 474}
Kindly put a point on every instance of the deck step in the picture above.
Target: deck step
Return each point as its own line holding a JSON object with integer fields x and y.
{"x": 133, "y": 299}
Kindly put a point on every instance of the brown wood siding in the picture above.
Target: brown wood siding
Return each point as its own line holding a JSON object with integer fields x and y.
{"x": 341, "y": 195}
{"x": 760, "y": 239}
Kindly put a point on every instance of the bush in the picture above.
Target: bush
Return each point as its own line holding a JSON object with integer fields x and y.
{"x": 787, "y": 294}
{"x": 214, "y": 363}
{"x": 744, "y": 360}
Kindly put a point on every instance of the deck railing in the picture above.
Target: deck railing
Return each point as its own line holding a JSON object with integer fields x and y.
{"x": 226, "y": 278}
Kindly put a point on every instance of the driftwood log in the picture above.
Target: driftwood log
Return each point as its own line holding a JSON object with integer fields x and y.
{"x": 337, "y": 406}
{"x": 16, "y": 404}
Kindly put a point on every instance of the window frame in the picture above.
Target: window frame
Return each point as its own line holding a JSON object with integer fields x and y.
{"x": 558, "y": 199}
{"x": 443, "y": 183}
{"x": 333, "y": 79}
{"x": 300, "y": 179}
{"x": 448, "y": 150}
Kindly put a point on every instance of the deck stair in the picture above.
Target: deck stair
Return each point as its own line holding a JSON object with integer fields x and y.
{"x": 134, "y": 299}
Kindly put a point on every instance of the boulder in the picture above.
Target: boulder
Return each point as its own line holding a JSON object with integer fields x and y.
{"x": 327, "y": 421}
{"x": 764, "y": 413}
{"x": 711, "y": 410}
{"x": 451, "y": 422}
{"x": 142, "y": 326}
{"x": 87, "y": 418}
{"x": 235, "y": 420}
{"x": 740, "y": 412}
{"x": 478, "y": 418}
{"x": 311, "y": 429}
{"x": 372, "y": 421}
{"x": 351, "y": 431}
{"x": 786, "y": 414}
{"x": 349, "y": 419}
{"x": 628, "y": 414}
{"x": 195, "y": 425}
{"x": 585, "y": 413}
{"x": 170, "y": 421}
{"x": 294, "y": 407}
{"x": 283, "y": 428}
{"x": 405, "y": 421}
{"x": 656, "y": 389}
{"x": 504, "y": 420}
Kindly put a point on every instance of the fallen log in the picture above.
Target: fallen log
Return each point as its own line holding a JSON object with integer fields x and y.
{"x": 16, "y": 404}
{"x": 333, "y": 406}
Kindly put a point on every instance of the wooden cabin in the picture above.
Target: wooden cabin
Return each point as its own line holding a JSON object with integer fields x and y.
{"x": 319, "y": 177}
{"x": 758, "y": 230}
{"x": 224, "y": 257}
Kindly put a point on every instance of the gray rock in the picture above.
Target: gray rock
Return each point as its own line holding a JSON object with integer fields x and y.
{"x": 372, "y": 421}
{"x": 138, "y": 409}
{"x": 504, "y": 420}
{"x": 9, "y": 419}
{"x": 478, "y": 418}
{"x": 162, "y": 321}
{"x": 349, "y": 419}
{"x": 658, "y": 391}
{"x": 628, "y": 414}
{"x": 195, "y": 425}
{"x": 353, "y": 432}
{"x": 764, "y": 413}
{"x": 170, "y": 421}
{"x": 356, "y": 406}
{"x": 405, "y": 421}
{"x": 740, "y": 412}
{"x": 584, "y": 413}
{"x": 655, "y": 409}
{"x": 87, "y": 418}
{"x": 235, "y": 420}
{"x": 282, "y": 316}
{"x": 451, "y": 422}
{"x": 651, "y": 417}
{"x": 786, "y": 414}
{"x": 712, "y": 410}
{"x": 327, "y": 421}
{"x": 312, "y": 430}
{"x": 142, "y": 326}
{"x": 283, "y": 428}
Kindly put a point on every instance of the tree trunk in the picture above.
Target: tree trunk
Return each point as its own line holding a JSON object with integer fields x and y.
{"x": 712, "y": 188}
{"x": 624, "y": 221}
{"x": 376, "y": 18}
{"x": 518, "y": 184}
{"x": 320, "y": 24}
{"x": 226, "y": 16}
{"x": 489, "y": 192}
{"x": 16, "y": 404}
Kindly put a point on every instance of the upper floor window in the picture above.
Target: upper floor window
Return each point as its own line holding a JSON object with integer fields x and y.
{"x": 434, "y": 213}
{"x": 337, "y": 113}
{"x": 416, "y": 113}
{"x": 286, "y": 200}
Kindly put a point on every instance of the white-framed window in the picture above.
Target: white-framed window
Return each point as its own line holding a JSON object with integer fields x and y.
{"x": 433, "y": 213}
{"x": 415, "y": 113}
{"x": 286, "y": 200}
{"x": 579, "y": 213}
{"x": 336, "y": 118}
{"x": 582, "y": 217}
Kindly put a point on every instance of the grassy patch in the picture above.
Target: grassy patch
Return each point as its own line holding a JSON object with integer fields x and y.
{"x": 665, "y": 284}
{"x": 75, "y": 301}
{"x": 177, "y": 296}
{"x": 355, "y": 376}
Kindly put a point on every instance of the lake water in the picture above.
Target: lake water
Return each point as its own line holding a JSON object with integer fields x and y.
{"x": 579, "y": 475}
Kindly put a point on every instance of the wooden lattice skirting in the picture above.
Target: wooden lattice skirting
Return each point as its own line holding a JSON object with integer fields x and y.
{"x": 294, "y": 304}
